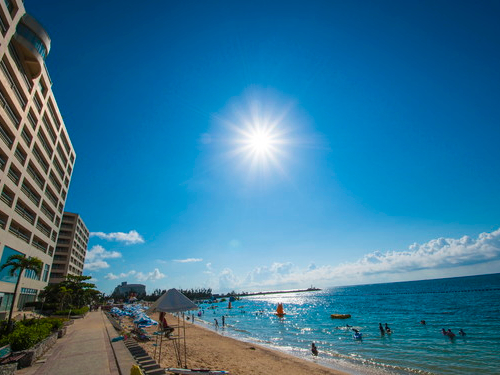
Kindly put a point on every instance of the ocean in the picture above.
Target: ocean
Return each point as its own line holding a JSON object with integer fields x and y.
{"x": 469, "y": 303}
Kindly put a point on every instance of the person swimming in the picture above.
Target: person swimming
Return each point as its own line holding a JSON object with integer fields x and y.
{"x": 314, "y": 349}
{"x": 461, "y": 332}
{"x": 422, "y": 322}
{"x": 387, "y": 329}
{"x": 450, "y": 334}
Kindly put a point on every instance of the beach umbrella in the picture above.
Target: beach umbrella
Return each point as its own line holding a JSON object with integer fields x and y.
{"x": 174, "y": 301}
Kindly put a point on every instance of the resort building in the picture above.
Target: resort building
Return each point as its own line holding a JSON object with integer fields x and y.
{"x": 125, "y": 290}
{"x": 36, "y": 155}
{"x": 71, "y": 248}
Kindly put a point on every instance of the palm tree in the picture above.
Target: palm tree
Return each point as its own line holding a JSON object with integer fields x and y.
{"x": 21, "y": 263}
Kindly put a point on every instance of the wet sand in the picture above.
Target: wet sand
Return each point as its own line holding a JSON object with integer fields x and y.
{"x": 207, "y": 349}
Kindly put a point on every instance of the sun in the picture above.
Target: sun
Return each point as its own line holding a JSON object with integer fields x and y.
{"x": 260, "y": 141}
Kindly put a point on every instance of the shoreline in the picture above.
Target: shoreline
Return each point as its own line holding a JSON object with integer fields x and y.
{"x": 206, "y": 348}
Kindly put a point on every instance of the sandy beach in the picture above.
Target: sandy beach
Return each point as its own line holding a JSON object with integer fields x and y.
{"x": 207, "y": 349}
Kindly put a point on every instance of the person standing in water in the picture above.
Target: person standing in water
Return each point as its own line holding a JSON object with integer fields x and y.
{"x": 381, "y": 329}
{"x": 314, "y": 349}
{"x": 387, "y": 329}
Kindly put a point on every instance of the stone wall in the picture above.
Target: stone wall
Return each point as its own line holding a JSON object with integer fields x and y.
{"x": 8, "y": 369}
{"x": 31, "y": 355}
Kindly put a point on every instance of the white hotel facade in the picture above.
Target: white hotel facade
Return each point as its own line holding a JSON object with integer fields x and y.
{"x": 36, "y": 154}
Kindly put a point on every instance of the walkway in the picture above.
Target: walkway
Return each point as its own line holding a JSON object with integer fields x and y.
{"x": 84, "y": 350}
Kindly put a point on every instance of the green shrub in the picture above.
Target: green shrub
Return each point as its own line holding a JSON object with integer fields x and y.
{"x": 81, "y": 311}
{"x": 24, "y": 337}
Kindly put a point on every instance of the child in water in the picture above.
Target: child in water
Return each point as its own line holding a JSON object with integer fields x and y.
{"x": 314, "y": 349}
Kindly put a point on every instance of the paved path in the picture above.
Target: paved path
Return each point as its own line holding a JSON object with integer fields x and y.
{"x": 84, "y": 350}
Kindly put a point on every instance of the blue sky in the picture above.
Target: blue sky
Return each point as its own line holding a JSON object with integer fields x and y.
{"x": 380, "y": 127}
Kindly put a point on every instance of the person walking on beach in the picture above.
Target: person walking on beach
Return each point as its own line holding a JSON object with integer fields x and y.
{"x": 314, "y": 349}
{"x": 216, "y": 324}
{"x": 223, "y": 320}
{"x": 381, "y": 329}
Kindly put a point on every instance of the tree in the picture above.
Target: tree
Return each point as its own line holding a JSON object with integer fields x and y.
{"x": 82, "y": 293}
{"x": 18, "y": 262}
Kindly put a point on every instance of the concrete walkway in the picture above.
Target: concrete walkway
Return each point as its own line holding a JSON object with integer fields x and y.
{"x": 84, "y": 350}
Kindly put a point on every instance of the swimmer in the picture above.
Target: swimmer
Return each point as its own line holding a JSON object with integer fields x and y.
{"x": 422, "y": 322}
{"x": 381, "y": 329}
{"x": 450, "y": 334}
{"x": 461, "y": 332}
{"x": 314, "y": 349}
{"x": 387, "y": 329}
{"x": 443, "y": 331}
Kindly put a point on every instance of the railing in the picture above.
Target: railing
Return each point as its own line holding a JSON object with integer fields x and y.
{"x": 2, "y": 163}
{"x": 20, "y": 66}
{"x": 56, "y": 183}
{"x": 51, "y": 197}
{"x": 40, "y": 160}
{"x": 43, "y": 229}
{"x": 5, "y": 104}
{"x": 61, "y": 154}
{"x": 60, "y": 171}
{"x": 54, "y": 117}
{"x": 45, "y": 210}
{"x": 32, "y": 120}
{"x": 14, "y": 176}
{"x": 5, "y": 137}
{"x": 27, "y": 138}
{"x": 7, "y": 199}
{"x": 13, "y": 85}
{"x": 39, "y": 245}
{"x": 43, "y": 141}
{"x": 32, "y": 196}
{"x": 37, "y": 102}
{"x": 25, "y": 214}
{"x": 35, "y": 176}
{"x": 20, "y": 156}
{"x": 16, "y": 232}
{"x": 49, "y": 130}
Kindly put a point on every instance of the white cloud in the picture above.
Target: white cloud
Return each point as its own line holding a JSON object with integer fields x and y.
{"x": 96, "y": 265}
{"x": 150, "y": 276}
{"x": 130, "y": 238}
{"x": 188, "y": 260}
{"x": 94, "y": 260}
{"x": 435, "y": 258}
{"x": 112, "y": 276}
{"x": 140, "y": 276}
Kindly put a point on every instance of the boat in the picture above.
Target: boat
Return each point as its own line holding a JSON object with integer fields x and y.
{"x": 340, "y": 316}
{"x": 279, "y": 310}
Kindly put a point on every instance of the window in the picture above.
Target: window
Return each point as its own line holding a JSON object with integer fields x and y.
{"x": 5, "y": 273}
{"x": 46, "y": 272}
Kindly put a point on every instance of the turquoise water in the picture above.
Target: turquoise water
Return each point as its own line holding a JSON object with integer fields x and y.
{"x": 471, "y": 303}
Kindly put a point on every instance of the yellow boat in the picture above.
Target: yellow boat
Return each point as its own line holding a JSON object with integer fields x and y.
{"x": 340, "y": 316}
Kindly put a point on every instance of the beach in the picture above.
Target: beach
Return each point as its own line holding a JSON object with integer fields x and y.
{"x": 208, "y": 349}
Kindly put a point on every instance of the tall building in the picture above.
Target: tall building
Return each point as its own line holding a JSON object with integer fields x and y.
{"x": 71, "y": 248}
{"x": 36, "y": 155}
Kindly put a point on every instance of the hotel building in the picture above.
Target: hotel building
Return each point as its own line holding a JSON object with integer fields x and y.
{"x": 71, "y": 248}
{"x": 36, "y": 155}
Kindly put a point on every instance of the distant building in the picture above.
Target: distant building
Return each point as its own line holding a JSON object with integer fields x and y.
{"x": 71, "y": 248}
{"x": 124, "y": 290}
{"x": 36, "y": 155}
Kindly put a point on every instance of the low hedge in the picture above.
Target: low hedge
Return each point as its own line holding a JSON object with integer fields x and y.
{"x": 81, "y": 311}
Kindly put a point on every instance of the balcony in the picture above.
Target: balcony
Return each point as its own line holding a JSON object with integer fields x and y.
{"x": 35, "y": 42}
